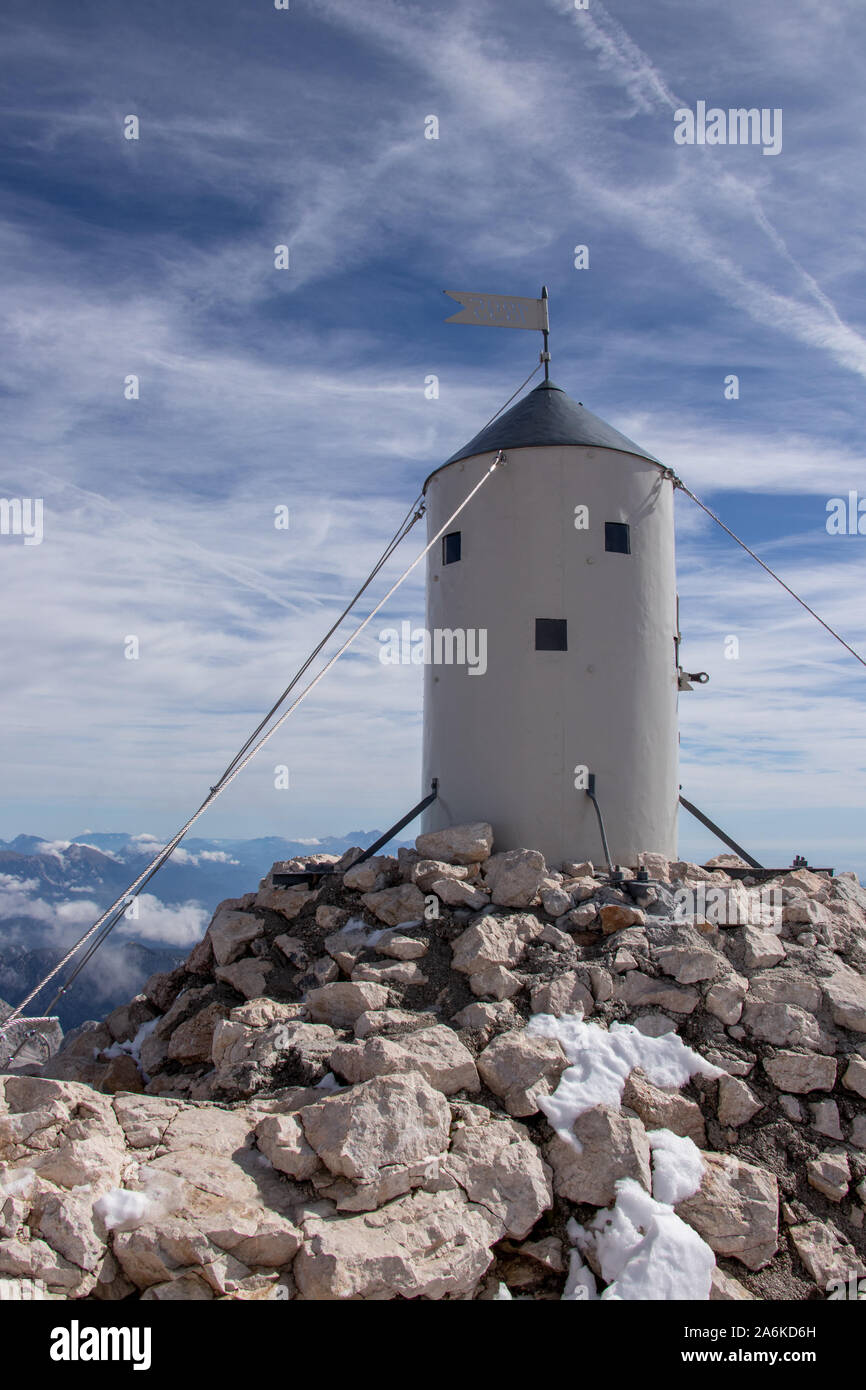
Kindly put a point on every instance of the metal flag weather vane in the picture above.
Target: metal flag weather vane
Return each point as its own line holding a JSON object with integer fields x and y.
{"x": 504, "y": 311}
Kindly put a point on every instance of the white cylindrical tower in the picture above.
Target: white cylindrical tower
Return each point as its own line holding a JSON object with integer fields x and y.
{"x": 552, "y": 621}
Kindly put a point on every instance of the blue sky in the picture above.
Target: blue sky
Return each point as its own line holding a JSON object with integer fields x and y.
{"x": 306, "y": 387}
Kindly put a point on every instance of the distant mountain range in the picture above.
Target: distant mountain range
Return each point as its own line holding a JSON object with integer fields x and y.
{"x": 52, "y": 891}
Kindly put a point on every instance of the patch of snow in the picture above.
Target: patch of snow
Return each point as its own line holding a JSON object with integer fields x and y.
{"x": 678, "y": 1168}
{"x": 359, "y": 931}
{"x": 329, "y": 1083}
{"x": 646, "y": 1252}
{"x": 355, "y": 924}
{"x": 574, "y": 1231}
{"x": 134, "y": 1047}
{"x": 124, "y": 1211}
{"x": 580, "y": 1286}
{"x": 503, "y": 1294}
{"x": 159, "y": 1194}
{"x": 601, "y": 1060}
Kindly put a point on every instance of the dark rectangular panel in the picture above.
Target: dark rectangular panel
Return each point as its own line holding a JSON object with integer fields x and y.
{"x": 451, "y": 548}
{"x": 617, "y": 538}
{"x": 551, "y": 635}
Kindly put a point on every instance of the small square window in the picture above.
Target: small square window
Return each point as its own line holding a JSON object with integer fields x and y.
{"x": 551, "y": 635}
{"x": 451, "y": 548}
{"x": 616, "y": 537}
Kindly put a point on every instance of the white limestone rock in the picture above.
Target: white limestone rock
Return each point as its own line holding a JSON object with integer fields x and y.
{"x": 493, "y": 941}
{"x": 738, "y": 1103}
{"x": 426, "y": 872}
{"x": 826, "y": 1255}
{"x": 370, "y": 876}
{"x": 425, "y": 1245}
{"x": 639, "y": 990}
{"x": 294, "y": 950}
{"x": 600, "y": 981}
{"x": 398, "y": 946}
{"x": 830, "y": 1173}
{"x": 287, "y": 901}
{"x": 486, "y": 1019}
{"x": 403, "y": 973}
{"x": 404, "y": 903}
{"x": 784, "y": 1025}
{"x": 495, "y": 982}
{"x": 520, "y": 1067}
{"x": 341, "y": 1002}
{"x": 376, "y": 1021}
{"x": 791, "y": 1107}
{"x": 724, "y": 1000}
{"x": 735, "y": 1210}
{"x": 825, "y": 1118}
{"x": 559, "y": 940}
{"x": 515, "y": 877}
{"x": 347, "y": 945}
{"x": 658, "y": 1108}
{"x": 724, "y": 1288}
{"x": 191, "y": 1041}
{"x": 761, "y": 948}
{"x": 854, "y": 1078}
{"x": 556, "y": 901}
{"x": 231, "y": 933}
{"x": 249, "y": 977}
{"x": 580, "y": 918}
{"x": 857, "y": 1132}
{"x": 613, "y": 1146}
{"x": 582, "y": 869}
{"x": 455, "y": 894}
{"x": 499, "y": 1168}
{"x": 437, "y": 1053}
{"x": 845, "y": 993}
{"x": 801, "y": 1072}
{"x": 244, "y": 1056}
{"x": 331, "y": 918}
{"x": 281, "y": 1139}
{"x": 385, "y": 1121}
{"x": 457, "y": 844}
{"x": 564, "y": 994}
{"x": 785, "y": 986}
{"x": 691, "y": 963}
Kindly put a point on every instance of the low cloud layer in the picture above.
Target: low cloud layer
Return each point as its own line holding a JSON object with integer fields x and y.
{"x": 60, "y": 923}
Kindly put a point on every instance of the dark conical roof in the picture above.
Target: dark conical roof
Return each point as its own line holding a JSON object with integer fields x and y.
{"x": 547, "y": 416}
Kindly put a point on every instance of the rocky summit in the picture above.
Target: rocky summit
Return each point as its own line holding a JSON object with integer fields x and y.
{"x": 463, "y": 1074}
